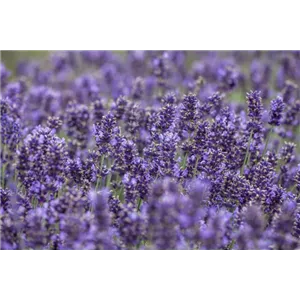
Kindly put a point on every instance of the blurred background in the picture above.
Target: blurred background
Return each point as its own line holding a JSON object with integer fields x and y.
{"x": 11, "y": 56}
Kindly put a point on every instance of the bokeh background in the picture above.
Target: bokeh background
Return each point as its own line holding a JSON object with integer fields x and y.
{"x": 10, "y": 56}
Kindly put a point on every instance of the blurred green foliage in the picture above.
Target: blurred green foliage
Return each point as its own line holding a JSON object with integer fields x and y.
{"x": 11, "y": 58}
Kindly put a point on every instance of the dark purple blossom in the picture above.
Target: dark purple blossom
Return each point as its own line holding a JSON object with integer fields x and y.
{"x": 41, "y": 163}
{"x": 10, "y": 132}
{"x": 105, "y": 133}
{"x": 165, "y": 117}
{"x": 163, "y": 230}
{"x": 131, "y": 226}
{"x": 138, "y": 88}
{"x": 277, "y": 107}
{"x": 101, "y": 211}
{"x": 213, "y": 233}
{"x": 77, "y": 118}
{"x": 283, "y": 226}
{"x": 161, "y": 69}
{"x": 254, "y": 106}
{"x": 133, "y": 118}
{"x": 228, "y": 77}
{"x": 5, "y": 195}
{"x": 289, "y": 92}
{"x": 4, "y": 73}
{"x": 188, "y": 113}
{"x": 119, "y": 107}
{"x": 54, "y": 123}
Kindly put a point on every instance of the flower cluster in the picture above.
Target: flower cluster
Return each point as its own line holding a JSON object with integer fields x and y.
{"x": 151, "y": 150}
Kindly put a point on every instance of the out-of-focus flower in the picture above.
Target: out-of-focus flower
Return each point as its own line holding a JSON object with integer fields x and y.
{"x": 277, "y": 107}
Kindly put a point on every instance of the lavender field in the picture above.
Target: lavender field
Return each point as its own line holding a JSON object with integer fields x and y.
{"x": 144, "y": 150}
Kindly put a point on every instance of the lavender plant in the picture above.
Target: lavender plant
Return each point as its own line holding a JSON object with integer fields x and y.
{"x": 151, "y": 150}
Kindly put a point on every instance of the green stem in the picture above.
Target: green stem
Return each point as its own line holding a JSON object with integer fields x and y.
{"x": 108, "y": 179}
{"x": 294, "y": 187}
{"x": 109, "y": 176}
{"x": 139, "y": 244}
{"x": 3, "y": 167}
{"x": 120, "y": 194}
{"x": 139, "y": 204}
{"x": 183, "y": 163}
{"x": 267, "y": 141}
{"x": 196, "y": 167}
{"x": 34, "y": 202}
{"x": 247, "y": 153}
{"x": 97, "y": 184}
{"x": 3, "y": 175}
{"x": 249, "y": 159}
{"x": 100, "y": 170}
{"x": 15, "y": 175}
{"x": 230, "y": 246}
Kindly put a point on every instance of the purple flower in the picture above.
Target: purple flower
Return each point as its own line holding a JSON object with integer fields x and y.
{"x": 213, "y": 233}
{"x": 292, "y": 115}
{"x": 163, "y": 230}
{"x": 132, "y": 118}
{"x": 62, "y": 61}
{"x": 138, "y": 88}
{"x": 98, "y": 110}
{"x": 277, "y": 107}
{"x": 5, "y": 195}
{"x": 74, "y": 232}
{"x": 297, "y": 179}
{"x": 161, "y": 154}
{"x": 37, "y": 233}
{"x": 86, "y": 88}
{"x": 11, "y": 227}
{"x": 77, "y": 123}
{"x": 161, "y": 68}
{"x": 131, "y": 226}
{"x": 254, "y": 126}
{"x": 54, "y": 123}
{"x": 151, "y": 150}
{"x": 188, "y": 113}
{"x": 254, "y": 106}
{"x": 41, "y": 163}
{"x": 5, "y": 74}
{"x": 105, "y": 133}
{"x": 130, "y": 189}
{"x": 165, "y": 117}
{"x": 228, "y": 77}
{"x": 286, "y": 152}
{"x": 289, "y": 92}
{"x": 119, "y": 107}
{"x": 296, "y": 226}
{"x": 101, "y": 210}
{"x": 251, "y": 233}
{"x": 283, "y": 225}
{"x": 4, "y": 107}
{"x": 10, "y": 132}
{"x": 272, "y": 201}
{"x": 82, "y": 172}
{"x": 136, "y": 61}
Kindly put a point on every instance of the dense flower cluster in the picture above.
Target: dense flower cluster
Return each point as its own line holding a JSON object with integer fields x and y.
{"x": 151, "y": 150}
